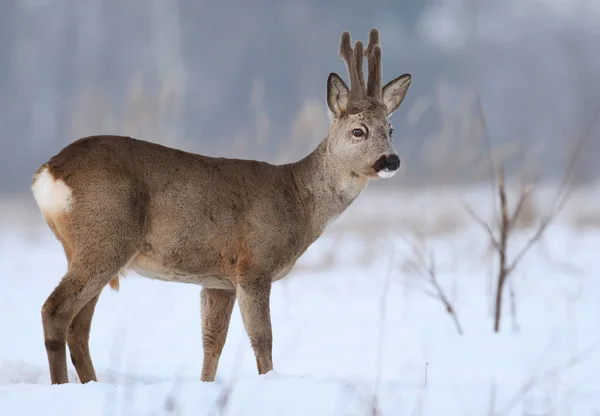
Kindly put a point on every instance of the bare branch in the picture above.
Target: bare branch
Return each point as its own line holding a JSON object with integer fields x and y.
{"x": 502, "y": 248}
{"x": 482, "y": 223}
{"x": 530, "y": 243}
{"x": 515, "y": 215}
{"x": 503, "y": 200}
{"x": 562, "y": 195}
{"x": 424, "y": 291}
{"x": 579, "y": 145}
{"x": 488, "y": 147}
{"x": 473, "y": 31}
{"x": 442, "y": 295}
{"x": 506, "y": 221}
{"x": 428, "y": 271}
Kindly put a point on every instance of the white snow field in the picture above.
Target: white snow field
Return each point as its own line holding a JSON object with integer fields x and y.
{"x": 357, "y": 331}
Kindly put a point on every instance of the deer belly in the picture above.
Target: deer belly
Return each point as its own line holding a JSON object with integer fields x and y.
{"x": 145, "y": 267}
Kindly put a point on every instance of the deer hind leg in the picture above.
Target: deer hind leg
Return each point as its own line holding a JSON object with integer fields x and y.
{"x": 99, "y": 240}
{"x": 78, "y": 287}
{"x": 78, "y": 336}
{"x": 67, "y": 313}
{"x": 253, "y": 297}
{"x": 216, "y": 307}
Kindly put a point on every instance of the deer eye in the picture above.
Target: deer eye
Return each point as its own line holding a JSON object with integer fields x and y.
{"x": 391, "y": 132}
{"x": 358, "y": 133}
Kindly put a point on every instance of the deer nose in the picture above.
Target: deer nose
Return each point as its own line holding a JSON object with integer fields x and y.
{"x": 392, "y": 162}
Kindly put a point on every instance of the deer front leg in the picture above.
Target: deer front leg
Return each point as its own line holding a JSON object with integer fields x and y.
{"x": 253, "y": 298}
{"x": 216, "y": 307}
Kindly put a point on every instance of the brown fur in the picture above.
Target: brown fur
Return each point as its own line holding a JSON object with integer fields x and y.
{"x": 114, "y": 283}
{"x": 233, "y": 226}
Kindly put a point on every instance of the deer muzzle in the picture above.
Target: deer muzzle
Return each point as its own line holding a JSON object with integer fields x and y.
{"x": 387, "y": 165}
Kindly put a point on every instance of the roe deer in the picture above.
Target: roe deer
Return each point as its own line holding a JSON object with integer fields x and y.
{"x": 232, "y": 226}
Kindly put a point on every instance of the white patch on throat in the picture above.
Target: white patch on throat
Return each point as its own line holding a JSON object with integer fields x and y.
{"x": 386, "y": 173}
{"x": 53, "y": 196}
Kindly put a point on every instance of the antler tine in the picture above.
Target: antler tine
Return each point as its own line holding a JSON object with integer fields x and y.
{"x": 373, "y": 53}
{"x": 346, "y": 52}
{"x": 346, "y": 47}
{"x": 358, "y": 55}
{"x": 373, "y": 40}
{"x": 354, "y": 64}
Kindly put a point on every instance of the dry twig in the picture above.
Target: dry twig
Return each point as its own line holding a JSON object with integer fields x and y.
{"x": 508, "y": 219}
{"x": 427, "y": 270}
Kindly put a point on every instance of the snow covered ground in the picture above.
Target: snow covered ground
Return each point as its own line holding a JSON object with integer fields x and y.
{"x": 353, "y": 324}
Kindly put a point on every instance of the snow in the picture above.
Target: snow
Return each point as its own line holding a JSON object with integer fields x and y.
{"x": 353, "y": 326}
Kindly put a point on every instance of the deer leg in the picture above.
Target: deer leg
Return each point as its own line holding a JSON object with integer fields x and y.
{"x": 216, "y": 307}
{"x": 72, "y": 304}
{"x": 101, "y": 227}
{"x": 78, "y": 336}
{"x": 253, "y": 298}
{"x": 79, "y": 286}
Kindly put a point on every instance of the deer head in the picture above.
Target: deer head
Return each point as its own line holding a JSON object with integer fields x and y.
{"x": 360, "y": 134}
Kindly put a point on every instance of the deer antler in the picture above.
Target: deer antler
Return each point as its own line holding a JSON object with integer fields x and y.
{"x": 354, "y": 62}
{"x": 373, "y": 53}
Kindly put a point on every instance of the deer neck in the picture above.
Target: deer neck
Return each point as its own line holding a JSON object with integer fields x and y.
{"x": 325, "y": 186}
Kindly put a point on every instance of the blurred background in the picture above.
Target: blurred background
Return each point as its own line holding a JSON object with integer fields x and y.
{"x": 392, "y": 286}
{"x": 247, "y": 79}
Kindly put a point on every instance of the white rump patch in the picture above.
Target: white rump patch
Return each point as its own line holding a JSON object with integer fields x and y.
{"x": 53, "y": 196}
{"x": 386, "y": 173}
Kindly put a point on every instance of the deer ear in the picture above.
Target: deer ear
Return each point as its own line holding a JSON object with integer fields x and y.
{"x": 394, "y": 92}
{"x": 337, "y": 94}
